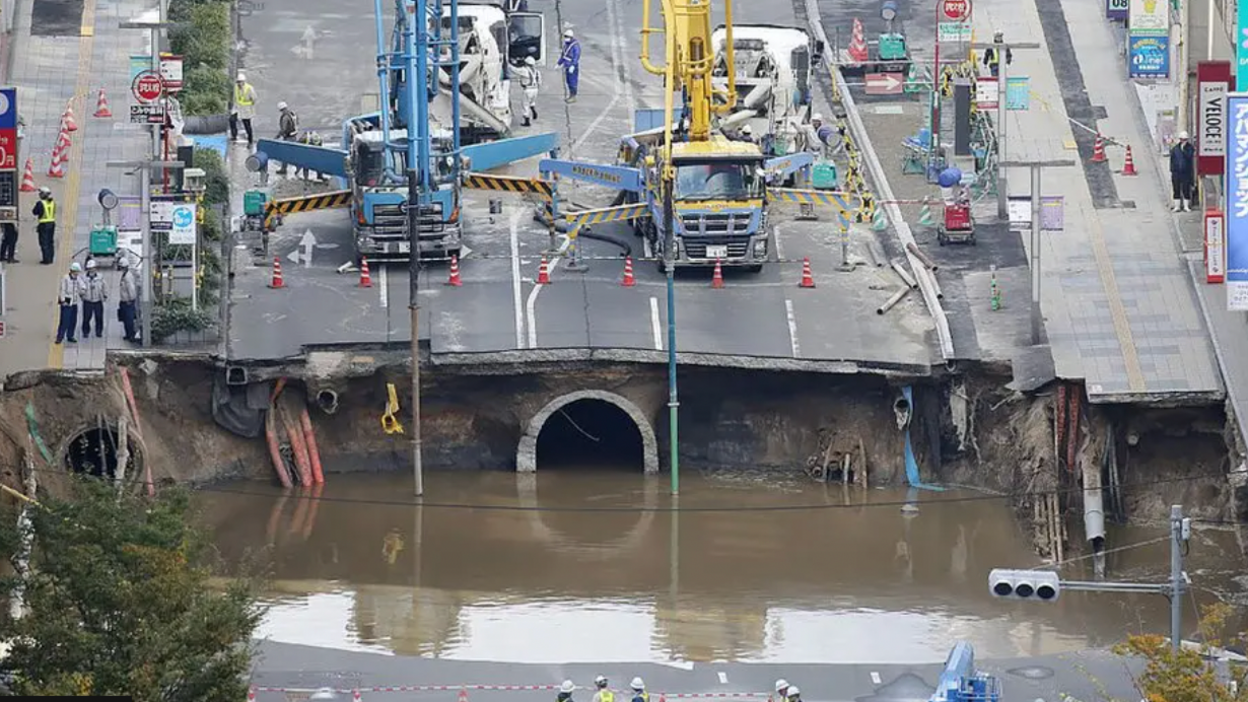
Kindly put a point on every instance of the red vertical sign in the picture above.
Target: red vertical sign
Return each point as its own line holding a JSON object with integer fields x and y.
{"x": 1215, "y": 247}
{"x": 1215, "y": 80}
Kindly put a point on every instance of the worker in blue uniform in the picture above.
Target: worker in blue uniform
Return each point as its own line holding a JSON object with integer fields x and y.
{"x": 570, "y": 61}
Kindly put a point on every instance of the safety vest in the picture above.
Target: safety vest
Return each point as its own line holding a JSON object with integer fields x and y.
{"x": 993, "y": 56}
{"x": 641, "y": 697}
{"x": 242, "y": 94}
{"x": 605, "y": 695}
{"x": 49, "y": 212}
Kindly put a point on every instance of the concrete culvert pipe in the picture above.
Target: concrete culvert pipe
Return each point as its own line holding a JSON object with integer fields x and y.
{"x": 901, "y": 408}
{"x": 327, "y": 400}
{"x": 93, "y": 450}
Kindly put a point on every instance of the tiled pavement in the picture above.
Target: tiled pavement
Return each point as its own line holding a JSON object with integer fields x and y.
{"x": 1119, "y": 309}
{"x": 49, "y": 71}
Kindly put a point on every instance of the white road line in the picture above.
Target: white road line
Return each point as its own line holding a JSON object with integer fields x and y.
{"x": 516, "y": 292}
{"x": 875, "y": 678}
{"x": 383, "y": 282}
{"x": 532, "y": 302}
{"x": 775, "y": 234}
{"x": 723, "y": 677}
{"x": 797, "y": 348}
{"x": 620, "y": 49}
{"x": 597, "y": 121}
{"x": 656, "y": 324}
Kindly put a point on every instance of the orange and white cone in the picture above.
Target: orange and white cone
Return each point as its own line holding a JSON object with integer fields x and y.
{"x": 543, "y": 273}
{"x": 858, "y": 51}
{"x": 463, "y": 695}
{"x": 251, "y": 694}
{"x": 717, "y": 278}
{"x": 67, "y": 119}
{"x": 808, "y": 279}
{"x": 63, "y": 143}
{"x": 355, "y": 696}
{"x": 277, "y": 281}
{"x": 629, "y": 281}
{"x": 57, "y": 169}
{"x": 1128, "y": 167}
{"x": 101, "y": 106}
{"x": 28, "y": 178}
{"x": 454, "y": 279}
{"x": 366, "y": 277}
{"x": 1098, "y": 150}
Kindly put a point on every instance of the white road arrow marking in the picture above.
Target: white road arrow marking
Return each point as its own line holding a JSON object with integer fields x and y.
{"x": 887, "y": 82}
{"x": 307, "y": 243}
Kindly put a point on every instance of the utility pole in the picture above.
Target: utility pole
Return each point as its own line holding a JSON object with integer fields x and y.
{"x": 413, "y": 291}
{"x": 673, "y": 397}
{"x": 1003, "y": 50}
{"x": 144, "y": 169}
{"x": 1037, "y": 315}
{"x": 419, "y": 184}
{"x": 1046, "y": 586}
{"x": 1180, "y": 71}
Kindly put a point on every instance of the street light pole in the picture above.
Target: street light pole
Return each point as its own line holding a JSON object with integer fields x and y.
{"x": 673, "y": 398}
{"x": 1003, "y": 50}
{"x": 1037, "y": 315}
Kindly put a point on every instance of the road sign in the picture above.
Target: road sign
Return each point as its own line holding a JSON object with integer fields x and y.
{"x": 884, "y": 83}
{"x": 171, "y": 72}
{"x": 1149, "y": 55}
{"x": 182, "y": 229}
{"x": 987, "y": 93}
{"x": 1117, "y": 9}
{"x": 949, "y": 32}
{"x": 147, "y": 114}
{"x": 1018, "y": 93}
{"x": 955, "y": 10}
{"x": 1237, "y": 202}
{"x": 1214, "y": 78}
{"x": 147, "y": 87}
{"x": 1215, "y": 247}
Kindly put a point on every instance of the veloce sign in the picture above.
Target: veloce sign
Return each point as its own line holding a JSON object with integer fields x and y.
{"x": 1215, "y": 80}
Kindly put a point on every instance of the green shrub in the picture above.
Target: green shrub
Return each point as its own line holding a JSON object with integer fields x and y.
{"x": 205, "y": 91}
{"x": 216, "y": 181}
{"x": 204, "y": 43}
{"x": 177, "y": 316}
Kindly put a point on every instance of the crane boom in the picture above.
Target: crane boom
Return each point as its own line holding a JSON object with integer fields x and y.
{"x": 689, "y": 59}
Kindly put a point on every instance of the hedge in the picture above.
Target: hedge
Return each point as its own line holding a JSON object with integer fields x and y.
{"x": 204, "y": 43}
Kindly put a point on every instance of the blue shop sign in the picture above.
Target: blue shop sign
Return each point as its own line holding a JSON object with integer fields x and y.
{"x": 1149, "y": 56}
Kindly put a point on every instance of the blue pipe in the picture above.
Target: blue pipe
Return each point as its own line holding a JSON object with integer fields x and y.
{"x": 912, "y": 465}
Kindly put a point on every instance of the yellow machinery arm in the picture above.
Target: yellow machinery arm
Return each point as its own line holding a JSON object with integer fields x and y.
{"x": 687, "y": 35}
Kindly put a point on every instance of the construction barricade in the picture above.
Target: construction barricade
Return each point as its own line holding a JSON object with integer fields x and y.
{"x": 488, "y": 693}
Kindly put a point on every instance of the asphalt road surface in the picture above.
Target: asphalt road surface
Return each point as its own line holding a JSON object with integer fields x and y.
{"x": 761, "y": 319}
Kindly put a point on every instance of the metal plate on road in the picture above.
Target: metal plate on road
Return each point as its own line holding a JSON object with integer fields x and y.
{"x": 884, "y": 83}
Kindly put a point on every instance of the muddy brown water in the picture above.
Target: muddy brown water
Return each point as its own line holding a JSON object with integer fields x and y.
{"x": 519, "y": 568}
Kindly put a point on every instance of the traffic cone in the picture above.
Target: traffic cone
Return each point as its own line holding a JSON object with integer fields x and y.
{"x": 251, "y": 694}
{"x": 717, "y": 278}
{"x": 366, "y": 278}
{"x": 925, "y": 215}
{"x": 858, "y": 43}
{"x": 543, "y": 273}
{"x": 277, "y": 281}
{"x": 1128, "y": 168}
{"x": 463, "y": 695}
{"x": 355, "y": 696}
{"x": 57, "y": 169}
{"x": 1098, "y": 150}
{"x": 454, "y": 279}
{"x": 28, "y": 178}
{"x": 878, "y": 222}
{"x": 67, "y": 119}
{"x": 629, "y": 281}
{"x": 101, "y": 106}
{"x": 808, "y": 279}
{"x": 63, "y": 144}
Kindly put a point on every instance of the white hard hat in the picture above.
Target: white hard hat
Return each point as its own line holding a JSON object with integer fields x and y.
{"x": 638, "y": 684}
{"x": 793, "y": 691}
{"x": 1184, "y": 135}
{"x": 241, "y": 78}
{"x": 781, "y": 684}
{"x": 817, "y": 117}
{"x": 998, "y": 33}
{"x": 601, "y": 681}
{"x": 123, "y": 261}
{"x": 747, "y": 130}
{"x": 282, "y": 105}
{"x": 567, "y": 686}
{"x": 45, "y": 190}
{"x": 530, "y": 61}
{"x": 75, "y": 268}
{"x": 91, "y": 264}
{"x": 567, "y": 33}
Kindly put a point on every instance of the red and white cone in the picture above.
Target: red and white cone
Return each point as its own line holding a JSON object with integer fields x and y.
{"x": 28, "y": 178}
{"x": 277, "y": 281}
{"x": 355, "y": 696}
{"x": 629, "y": 281}
{"x": 57, "y": 169}
{"x": 1128, "y": 167}
{"x": 808, "y": 279}
{"x": 454, "y": 279}
{"x": 543, "y": 273}
{"x": 463, "y": 695}
{"x": 251, "y": 694}
{"x": 101, "y": 106}
{"x": 1098, "y": 150}
{"x": 67, "y": 119}
{"x": 858, "y": 43}
{"x": 63, "y": 143}
{"x": 366, "y": 278}
{"x": 717, "y": 278}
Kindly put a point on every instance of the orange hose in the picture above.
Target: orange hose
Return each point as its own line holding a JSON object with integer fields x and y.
{"x": 275, "y": 451}
{"x": 313, "y": 453}
{"x": 301, "y": 511}
{"x": 138, "y": 429}
{"x": 277, "y": 390}
{"x": 300, "y": 449}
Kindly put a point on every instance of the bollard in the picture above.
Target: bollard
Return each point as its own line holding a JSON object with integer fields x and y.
{"x": 995, "y": 291}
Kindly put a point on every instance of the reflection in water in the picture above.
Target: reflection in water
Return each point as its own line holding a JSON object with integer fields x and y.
{"x": 757, "y": 581}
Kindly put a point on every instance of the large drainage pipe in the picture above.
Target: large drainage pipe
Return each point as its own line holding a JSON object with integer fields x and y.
{"x": 327, "y": 400}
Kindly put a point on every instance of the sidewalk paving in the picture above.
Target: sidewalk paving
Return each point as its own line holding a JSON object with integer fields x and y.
{"x": 48, "y": 72}
{"x": 1118, "y": 305}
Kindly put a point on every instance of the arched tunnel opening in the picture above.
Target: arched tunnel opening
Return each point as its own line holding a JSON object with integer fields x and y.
{"x": 590, "y": 433}
{"x": 93, "y": 451}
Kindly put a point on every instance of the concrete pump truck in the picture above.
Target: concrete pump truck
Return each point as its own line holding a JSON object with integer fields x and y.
{"x": 402, "y": 149}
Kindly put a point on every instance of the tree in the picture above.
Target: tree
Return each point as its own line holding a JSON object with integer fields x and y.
{"x": 1188, "y": 675}
{"x": 119, "y": 602}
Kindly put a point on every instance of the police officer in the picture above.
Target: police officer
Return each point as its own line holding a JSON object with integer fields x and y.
{"x": 67, "y": 297}
{"x": 94, "y": 293}
{"x": 45, "y": 214}
{"x": 127, "y": 298}
{"x": 639, "y": 690}
{"x": 530, "y": 80}
{"x": 603, "y": 694}
{"x": 992, "y": 55}
{"x": 570, "y": 61}
{"x": 565, "y": 691}
{"x": 287, "y": 128}
{"x": 244, "y": 108}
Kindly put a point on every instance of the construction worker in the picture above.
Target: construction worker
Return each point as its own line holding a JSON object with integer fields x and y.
{"x": 793, "y": 694}
{"x": 603, "y": 694}
{"x": 817, "y": 134}
{"x": 565, "y": 691}
{"x": 94, "y": 293}
{"x": 782, "y": 689}
{"x": 311, "y": 138}
{"x": 8, "y": 246}
{"x": 1183, "y": 172}
{"x": 45, "y": 214}
{"x": 639, "y": 690}
{"x": 530, "y": 80}
{"x": 68, "y": 296}
{"x": 287, "y": 128}
{"x": 992, "y": 55}
{"x": 570, "y": 61}
{"x": 127, "y": 298}
{"x": 746, "y": 134}
{"x": 244, "y": 108}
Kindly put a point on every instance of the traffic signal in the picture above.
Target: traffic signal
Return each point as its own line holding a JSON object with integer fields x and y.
{"x": 1041, "y": 585}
